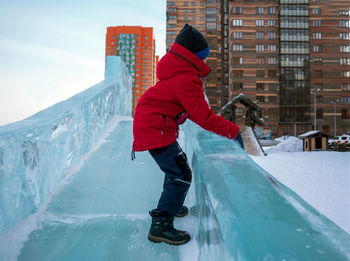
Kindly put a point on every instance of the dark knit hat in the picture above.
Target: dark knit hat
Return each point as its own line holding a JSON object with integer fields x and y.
{"x": 190, "y": 38}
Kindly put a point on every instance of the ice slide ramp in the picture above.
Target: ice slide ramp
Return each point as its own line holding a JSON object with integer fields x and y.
{"x": 69, "y": 191}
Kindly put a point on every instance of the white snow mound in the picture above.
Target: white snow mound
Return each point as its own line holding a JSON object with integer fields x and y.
{"x": 292, "y": 144}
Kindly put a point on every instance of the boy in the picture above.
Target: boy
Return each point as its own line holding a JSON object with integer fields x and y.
{"x": 177, "y": 95}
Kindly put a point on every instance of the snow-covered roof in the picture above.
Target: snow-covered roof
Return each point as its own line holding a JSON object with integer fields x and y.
{"x": 311, "y": 133}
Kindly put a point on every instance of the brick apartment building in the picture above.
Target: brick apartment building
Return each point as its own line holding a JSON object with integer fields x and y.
{"x": 206, "y": 17}
{"x": 136, "y": 47}
{"x": 289, "y": 54}
{"x": 292, "y": 56}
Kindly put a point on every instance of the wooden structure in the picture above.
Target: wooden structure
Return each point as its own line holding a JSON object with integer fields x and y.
{"x": 314, "y": 140}
{"x": 252, "y": 113}
{"x": 252, "y": 144}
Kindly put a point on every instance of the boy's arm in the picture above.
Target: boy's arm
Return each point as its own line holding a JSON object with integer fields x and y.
{"x": 190, "y": 94}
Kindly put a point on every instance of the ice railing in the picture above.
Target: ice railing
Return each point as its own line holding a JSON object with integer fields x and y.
{"x": 36, "y": 153}
{"x": 246, "y": 214}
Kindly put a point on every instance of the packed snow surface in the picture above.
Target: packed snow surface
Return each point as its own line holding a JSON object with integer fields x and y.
{"x": 321, "y": 178}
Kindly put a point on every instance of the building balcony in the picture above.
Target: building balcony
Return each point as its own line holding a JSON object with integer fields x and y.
{"x": 294, "y": 25}
{"x": 295, "y": 50}
{"x": 292, "y": 64}
{"x": 294, "y": 12}
{"x": 294, "y": 1}
{"x": 294, "y": 38}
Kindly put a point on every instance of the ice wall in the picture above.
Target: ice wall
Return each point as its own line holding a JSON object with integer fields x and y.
{"x": 246, "y": 214}
{"x": 36, "y": 153}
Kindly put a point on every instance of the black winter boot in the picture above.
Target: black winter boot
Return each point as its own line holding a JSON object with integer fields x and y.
{"x": 183, "y": 212}
{"x": 162, "y": 229}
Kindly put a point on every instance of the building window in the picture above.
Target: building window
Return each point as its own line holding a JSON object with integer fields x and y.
{"x": 239, "y": 113}
{"x": 345, "y": 87}
{"x": 345, "y": 115}
{"x": 170, "y": 3}
{"x": 202, "y": 3}
{"x": 271, "y": 48}
{"x": 272, "y": 60}
{"x": 237, "y": 22}
{"x": 260, "y": 35}
{"x": 344, "y": 48}
{"x": 345, "y": 74}
{"x": 193, "y": 3}
{"x": 172, "y": 17}
{"x": 259, "y": 47}
{"x": 193, "y": 11}
{"x": 317, "y": 36}
{"x": 260, "y": 73}
{"x": 271, "y": 23}
{"x": 316, "y": 23}
{"x": 346, "y": 12}
{"x": 345, "y": 100}
{"x": 316, "y": 11}
{"x": 193, "y": 18}
{"x": 272, "y": 73}
{"x": 319, "y": 114}
{"x": 237, "y": 74}
{"x": 317, "y": 48}
{"x": 318, "y": 86}
{"x": 237, "y": 10}
{"x": 344, "y": 23}
{"x": 259, "y": 22}
{"x": 237, "y": 85}
{"x": 344, "y": 36}
{"x": 318, "y": 60}
{"x": 271, "y": 35}
{"x": 260, "y": 98}
{"x": 260, "y": 10}
{"x": 172, "y": 10}
{"x": 272, "y": 86}
{"x": 237, "y": 35}
{"x": 344, "y": 61}
{"x": 272, "y": 10}
{"x": 260, "y": 60}
{"x": 237, "y": 60}
{"x": 237, "y": 47}
{"x": 260, "y": 86}
{"x": 185, "y": 3}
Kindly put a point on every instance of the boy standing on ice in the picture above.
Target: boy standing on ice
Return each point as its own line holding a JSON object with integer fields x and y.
{"x": 162, "y": 108}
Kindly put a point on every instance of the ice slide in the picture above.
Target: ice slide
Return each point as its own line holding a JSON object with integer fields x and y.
{"x": 69, "y": 191}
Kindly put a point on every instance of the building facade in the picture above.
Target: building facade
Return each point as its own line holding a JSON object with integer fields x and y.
{"x": 293, "y": 57}
{"x": 209, "y": 18}
{"x": 136, "y": 47}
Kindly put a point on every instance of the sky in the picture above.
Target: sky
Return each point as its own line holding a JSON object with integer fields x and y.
{"x": 51, "y": 50}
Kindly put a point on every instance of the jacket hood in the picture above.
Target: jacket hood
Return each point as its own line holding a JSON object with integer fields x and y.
{"x": 180, "y": 60}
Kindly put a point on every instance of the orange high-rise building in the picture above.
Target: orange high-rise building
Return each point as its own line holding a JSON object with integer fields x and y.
{"x": 136, "y": 47}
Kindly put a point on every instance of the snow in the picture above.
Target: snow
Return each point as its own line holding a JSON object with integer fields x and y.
{"x": 291, "y": 144}
{"x": 321, "y": 178}
{"x": 308, "y": 133}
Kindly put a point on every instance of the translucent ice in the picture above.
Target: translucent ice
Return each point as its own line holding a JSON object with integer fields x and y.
{"x": 249, "y": 213}
{"x": 36, "y": 153}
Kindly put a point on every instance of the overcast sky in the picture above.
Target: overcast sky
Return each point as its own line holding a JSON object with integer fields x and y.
{"x": 51, "y": 50}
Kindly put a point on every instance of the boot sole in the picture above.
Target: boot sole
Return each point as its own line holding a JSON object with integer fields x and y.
{"x": 182, "y": 215}
{"x": 170, "y": 242}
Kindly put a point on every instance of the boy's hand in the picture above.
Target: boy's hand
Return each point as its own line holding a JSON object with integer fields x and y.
{"x": 239, "y": 140}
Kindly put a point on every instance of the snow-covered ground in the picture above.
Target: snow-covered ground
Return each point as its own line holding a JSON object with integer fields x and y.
{"x": 321, "y": 178}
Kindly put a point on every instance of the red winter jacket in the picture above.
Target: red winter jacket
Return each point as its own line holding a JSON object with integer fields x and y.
{"x": 177, "y": 94}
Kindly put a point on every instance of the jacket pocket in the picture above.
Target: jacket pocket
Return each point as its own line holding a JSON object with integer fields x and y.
{"x": 168, "y": 125}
